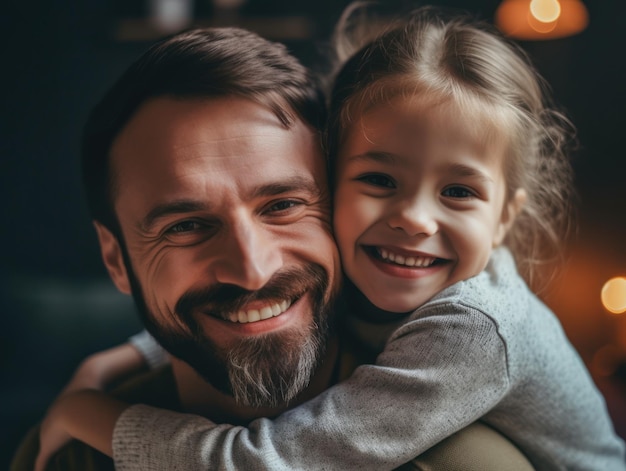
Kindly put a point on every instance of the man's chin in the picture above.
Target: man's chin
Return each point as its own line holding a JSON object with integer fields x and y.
{"x": 262, "y": 369}
{"x": 270, "y": 371}
{"x": 267, "y": 370}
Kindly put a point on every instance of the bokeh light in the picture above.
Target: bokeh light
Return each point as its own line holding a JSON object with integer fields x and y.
{"x": 606, "y": 360}
{"x": 541, "y": 19}
{"x": 545, "y": 11}
{"x": 613, "y": 295}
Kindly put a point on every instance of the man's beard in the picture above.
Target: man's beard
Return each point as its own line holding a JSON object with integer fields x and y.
{"x": 268, "y": 370}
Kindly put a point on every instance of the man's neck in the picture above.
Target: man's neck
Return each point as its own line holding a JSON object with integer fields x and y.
{"x": 199, "y": 397}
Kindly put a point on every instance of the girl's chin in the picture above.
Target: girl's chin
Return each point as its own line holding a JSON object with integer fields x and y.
{"x": 392, "y": 304}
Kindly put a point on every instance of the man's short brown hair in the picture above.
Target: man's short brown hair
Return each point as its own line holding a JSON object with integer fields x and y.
{"x": 203, "y": 63}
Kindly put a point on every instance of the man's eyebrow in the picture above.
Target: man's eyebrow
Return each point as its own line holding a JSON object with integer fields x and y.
{"x": 169, "y": 208}
{"x": 296, "y": 183}
{"x": 288, "y": 185}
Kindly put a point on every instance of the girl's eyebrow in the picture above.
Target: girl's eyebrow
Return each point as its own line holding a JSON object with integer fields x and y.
{"x": 376, "y": 156}
{"x": 455, "y": 169}
{"x": 462, "y": 170}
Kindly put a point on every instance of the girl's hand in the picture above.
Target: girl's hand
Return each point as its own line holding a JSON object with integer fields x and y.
{"x": 97, "y": 371}
{"x": 86, "y": 415}
{"x": 53, "y": 434}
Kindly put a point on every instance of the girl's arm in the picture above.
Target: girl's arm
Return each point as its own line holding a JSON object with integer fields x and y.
{"x": 98, "y": 372}
{"x": 101, "y": 369}
{"x": 437, "y": 374}
{"x": 87, "y": 415}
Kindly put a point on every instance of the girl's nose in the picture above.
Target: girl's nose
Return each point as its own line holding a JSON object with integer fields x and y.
{"x": 414, "y": 219}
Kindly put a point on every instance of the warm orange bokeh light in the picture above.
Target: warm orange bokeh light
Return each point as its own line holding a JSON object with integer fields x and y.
{"x": 541, "y": 19}
{"x": 545, "y": 11}
{"x": 613, "y": 295}
{"x": 605, "y": 361}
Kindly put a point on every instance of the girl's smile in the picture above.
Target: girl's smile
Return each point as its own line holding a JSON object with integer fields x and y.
{"x": 419, "y": 202}
{"x": 402, "y": 263}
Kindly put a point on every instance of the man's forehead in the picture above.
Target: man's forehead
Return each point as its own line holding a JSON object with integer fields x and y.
{"x": 171, "y": 127}
{"x": 168, "y": 117}
{"x": 171, "y": 143}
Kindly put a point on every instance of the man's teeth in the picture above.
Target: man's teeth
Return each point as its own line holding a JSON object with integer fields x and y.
{"x": 413, "y": 261}
{"x": 255, "y": 315}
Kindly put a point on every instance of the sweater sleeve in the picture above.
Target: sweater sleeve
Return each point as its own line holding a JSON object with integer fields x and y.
{"x": 154, "y": 355}
{"x": 438, "y": 373}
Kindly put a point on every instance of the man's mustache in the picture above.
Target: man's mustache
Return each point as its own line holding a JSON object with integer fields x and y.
{"x": 221, "y": 299}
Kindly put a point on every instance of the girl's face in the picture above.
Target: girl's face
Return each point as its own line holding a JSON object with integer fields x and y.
{"x": 419, "y": 202}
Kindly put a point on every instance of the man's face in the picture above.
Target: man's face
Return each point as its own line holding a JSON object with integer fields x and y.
{"x": 225, "y": 219}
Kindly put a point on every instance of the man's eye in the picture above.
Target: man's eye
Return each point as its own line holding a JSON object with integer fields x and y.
{"x": 377, "y": 179}
{"x": 183, "y": 227}
{"x": 457, "y": 192}
{"x": 283, "y": 205}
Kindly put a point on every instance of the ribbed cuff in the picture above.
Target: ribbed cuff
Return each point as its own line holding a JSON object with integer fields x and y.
{"x": 150, "y": 349}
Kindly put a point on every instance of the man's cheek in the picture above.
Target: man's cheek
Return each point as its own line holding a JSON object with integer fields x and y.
{"x": 172, "y": 272}
{"x": 163, "y": 311}
{"x": 323, "y": 220}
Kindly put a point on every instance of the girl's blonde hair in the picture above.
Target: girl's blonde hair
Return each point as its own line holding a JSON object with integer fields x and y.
{"x": 491, "y": 82}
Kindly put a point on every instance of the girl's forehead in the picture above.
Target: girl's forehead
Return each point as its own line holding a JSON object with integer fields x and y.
{"x": 423, "y": 116}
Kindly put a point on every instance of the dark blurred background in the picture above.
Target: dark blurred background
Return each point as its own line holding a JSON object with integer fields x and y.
{"x": 58, "y": 58}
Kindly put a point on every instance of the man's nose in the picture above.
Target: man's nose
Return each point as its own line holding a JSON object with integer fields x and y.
{"x": 250, "y": 257}
{"x": 414, "y": 218}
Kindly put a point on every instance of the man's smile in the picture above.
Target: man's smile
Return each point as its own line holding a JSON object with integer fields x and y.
{"x": 269, "y": 310}
{"x": 258, "y": 317}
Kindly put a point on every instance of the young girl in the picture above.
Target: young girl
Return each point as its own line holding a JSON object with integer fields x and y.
{"x": 448, "y": 169}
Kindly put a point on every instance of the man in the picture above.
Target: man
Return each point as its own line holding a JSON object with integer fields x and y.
{"x": 207, "y": 185}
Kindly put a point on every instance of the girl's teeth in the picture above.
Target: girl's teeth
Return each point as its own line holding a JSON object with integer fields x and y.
{"x": 420, "y": 262}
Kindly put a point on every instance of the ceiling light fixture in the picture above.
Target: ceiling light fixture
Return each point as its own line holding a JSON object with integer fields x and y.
{"x": 541, "y": 19}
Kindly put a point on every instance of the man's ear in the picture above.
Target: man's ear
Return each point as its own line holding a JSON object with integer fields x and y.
{"x": 510, "y": 211}
{"x": 112, "y": 257}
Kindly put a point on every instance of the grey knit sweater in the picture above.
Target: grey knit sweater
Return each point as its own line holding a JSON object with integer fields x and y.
{"x": 485, "y": 348}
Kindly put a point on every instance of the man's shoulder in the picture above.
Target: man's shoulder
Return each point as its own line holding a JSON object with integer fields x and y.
{"x": 465, "y": 451}
{"x": 156, "y": 388}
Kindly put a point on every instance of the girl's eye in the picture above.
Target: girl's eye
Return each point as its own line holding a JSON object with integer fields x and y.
{"x": 457, "y": 192}
{"x": 378, "y": 179}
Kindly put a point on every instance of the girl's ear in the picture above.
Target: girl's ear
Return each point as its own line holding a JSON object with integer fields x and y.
{"x": 112, "y": 257}
{"x": 510, "y": 211}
